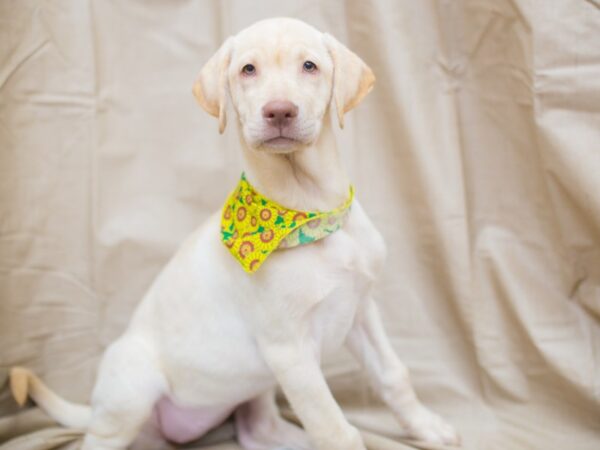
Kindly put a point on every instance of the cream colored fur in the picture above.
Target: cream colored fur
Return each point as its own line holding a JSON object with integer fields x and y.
{"x": 213, "y": 339}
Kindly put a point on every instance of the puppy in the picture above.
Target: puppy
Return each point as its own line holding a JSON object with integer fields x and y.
{"x": 237, "y": 312}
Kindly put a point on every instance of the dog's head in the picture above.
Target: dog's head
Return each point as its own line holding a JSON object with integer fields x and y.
{"x": 281, "y": 75}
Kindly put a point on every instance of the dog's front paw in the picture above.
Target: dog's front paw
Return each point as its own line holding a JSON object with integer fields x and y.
{"x": 429, "y": 427}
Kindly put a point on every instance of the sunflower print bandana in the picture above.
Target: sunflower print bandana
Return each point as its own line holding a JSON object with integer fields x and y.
{"x": 253, "y": 227}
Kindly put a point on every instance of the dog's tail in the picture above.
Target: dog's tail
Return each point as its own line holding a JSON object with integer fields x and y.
{"x": 24, "y": 383}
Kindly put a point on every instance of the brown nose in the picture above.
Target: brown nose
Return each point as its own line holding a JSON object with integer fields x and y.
{"x": 279, "y": 113}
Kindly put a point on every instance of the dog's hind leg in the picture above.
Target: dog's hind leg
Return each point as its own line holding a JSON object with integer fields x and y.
{"x": 129, "y": 383}
{"x": 390, "y": 378}
{"x": 259, "y": 426}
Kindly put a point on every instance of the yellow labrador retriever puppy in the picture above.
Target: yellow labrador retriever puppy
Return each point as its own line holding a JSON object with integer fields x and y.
{"x": 278, "y": 278}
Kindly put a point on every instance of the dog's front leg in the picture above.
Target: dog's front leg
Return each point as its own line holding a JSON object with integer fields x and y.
{"x": 369, "y": 343}
{"x": 297, "y": 370}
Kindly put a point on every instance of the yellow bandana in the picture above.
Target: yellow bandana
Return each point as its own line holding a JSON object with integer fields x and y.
{"x": 252, "y": 226}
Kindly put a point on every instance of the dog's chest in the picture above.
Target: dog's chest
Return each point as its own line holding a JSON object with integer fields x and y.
{"x": 357, "y": 251}
{"x": 348, "y": 263}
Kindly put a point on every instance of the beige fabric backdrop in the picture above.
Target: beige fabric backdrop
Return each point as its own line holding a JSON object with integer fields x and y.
{"x": 477, "y": 155}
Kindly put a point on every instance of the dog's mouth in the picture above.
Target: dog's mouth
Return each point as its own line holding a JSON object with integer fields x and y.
{"x": 280, "y": 144}
{"x": 280, "y": 141}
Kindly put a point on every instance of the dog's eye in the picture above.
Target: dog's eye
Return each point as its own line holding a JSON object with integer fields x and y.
{"x": 309, "y": 66}
{"x": 248, "y": 69}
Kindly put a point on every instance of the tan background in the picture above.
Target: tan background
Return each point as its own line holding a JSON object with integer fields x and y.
{"x": 477, "y": 155}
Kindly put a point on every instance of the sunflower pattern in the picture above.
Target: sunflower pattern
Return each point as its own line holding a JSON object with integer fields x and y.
{"x": 315, "y": 229}
{"x": 252, "y": 226}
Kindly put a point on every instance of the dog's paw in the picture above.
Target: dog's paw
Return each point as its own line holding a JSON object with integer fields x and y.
{"x": 429, "y": 427}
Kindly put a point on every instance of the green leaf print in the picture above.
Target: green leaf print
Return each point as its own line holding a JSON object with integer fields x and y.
{"x": 304, "y": 238}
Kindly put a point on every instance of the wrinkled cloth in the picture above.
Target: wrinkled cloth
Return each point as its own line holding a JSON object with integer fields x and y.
{"x": 477, "y": 155}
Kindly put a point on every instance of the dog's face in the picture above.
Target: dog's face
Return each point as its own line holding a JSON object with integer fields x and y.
{"x": 281, "y": 75}
{"x": 280, "y": 82}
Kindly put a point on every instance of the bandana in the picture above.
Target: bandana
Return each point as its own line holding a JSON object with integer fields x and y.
{"x": 253, "y": 226}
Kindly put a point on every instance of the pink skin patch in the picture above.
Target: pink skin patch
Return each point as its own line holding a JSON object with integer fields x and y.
{"x": 180, "y": 425}
{"x": 314, "y": 223}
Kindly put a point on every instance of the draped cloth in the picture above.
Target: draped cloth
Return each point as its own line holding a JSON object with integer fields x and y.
{"x": 477, "y": 155}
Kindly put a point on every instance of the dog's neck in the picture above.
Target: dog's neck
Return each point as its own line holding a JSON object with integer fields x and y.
{"x": 309, "y": 179}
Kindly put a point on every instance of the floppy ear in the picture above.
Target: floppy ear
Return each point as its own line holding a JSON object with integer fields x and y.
{"x": 210, "y": 88}
{"x": 352, "y": 78}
